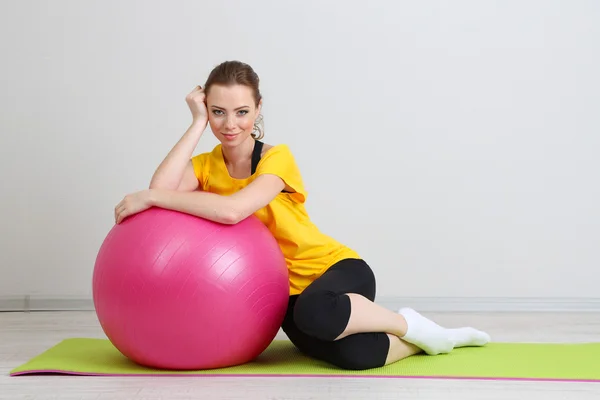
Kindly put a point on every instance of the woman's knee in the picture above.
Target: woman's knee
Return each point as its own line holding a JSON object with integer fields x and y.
{"x": 361, "y": 352}
{"x": 323, "y": 315}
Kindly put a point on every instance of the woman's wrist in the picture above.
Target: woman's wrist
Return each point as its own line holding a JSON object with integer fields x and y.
{"x": 199, "y": 125}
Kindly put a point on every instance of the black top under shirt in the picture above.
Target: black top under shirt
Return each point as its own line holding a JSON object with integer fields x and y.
{"x": 256, "y": 155}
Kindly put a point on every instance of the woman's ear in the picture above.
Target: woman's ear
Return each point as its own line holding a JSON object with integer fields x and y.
{"x": 259, "y": 108}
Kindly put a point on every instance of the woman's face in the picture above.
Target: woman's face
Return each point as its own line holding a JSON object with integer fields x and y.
{"x": 231, "y": 113}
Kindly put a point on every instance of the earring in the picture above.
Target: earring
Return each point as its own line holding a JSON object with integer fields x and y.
{"x": 257, "y": 123}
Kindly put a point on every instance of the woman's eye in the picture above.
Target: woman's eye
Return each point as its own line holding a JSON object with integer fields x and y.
{"x": 216, "y": 112}
{"x": 244, "y": 112}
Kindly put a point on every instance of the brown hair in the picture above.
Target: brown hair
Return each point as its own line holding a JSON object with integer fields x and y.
{"x": 238, "y": 73}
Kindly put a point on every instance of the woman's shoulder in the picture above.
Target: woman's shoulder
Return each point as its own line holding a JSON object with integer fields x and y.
{"x": 266, "y": 148}
{"x": 275, "y": 149}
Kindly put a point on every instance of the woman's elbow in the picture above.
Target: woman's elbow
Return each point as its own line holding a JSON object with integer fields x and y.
{"x": 230, "y": 217}
{"x": 234, "y": 216}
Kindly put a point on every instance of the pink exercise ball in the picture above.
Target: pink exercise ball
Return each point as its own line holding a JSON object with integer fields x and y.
{"x": 174, "y": 291}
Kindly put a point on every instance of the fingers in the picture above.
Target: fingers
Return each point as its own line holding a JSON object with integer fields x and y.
{"x": 196, "y": 90}
{"x": 120, "y": 211}
{"x": 121, "y": 215}
{"x": 117, "y": 207}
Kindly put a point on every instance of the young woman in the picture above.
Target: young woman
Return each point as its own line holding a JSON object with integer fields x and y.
{"x": 331, "y": 314}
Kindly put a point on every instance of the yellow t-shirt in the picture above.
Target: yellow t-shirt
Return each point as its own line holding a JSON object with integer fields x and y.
{"x": 308, "y": 252}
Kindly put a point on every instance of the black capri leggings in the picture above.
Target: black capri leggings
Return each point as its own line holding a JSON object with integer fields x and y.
{"x": 321, "y": 312}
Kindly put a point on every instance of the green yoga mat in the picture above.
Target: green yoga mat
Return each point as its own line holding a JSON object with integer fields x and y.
{"x": 511, "y": 361}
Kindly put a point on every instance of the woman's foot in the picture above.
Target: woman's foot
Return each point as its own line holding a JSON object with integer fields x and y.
{"x": 425, "y": 334}
{"x": 435, "y": 339}
{"x": 464, "y": 337}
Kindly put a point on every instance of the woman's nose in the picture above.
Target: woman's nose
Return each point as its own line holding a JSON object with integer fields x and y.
{"x": 230, "y": 123}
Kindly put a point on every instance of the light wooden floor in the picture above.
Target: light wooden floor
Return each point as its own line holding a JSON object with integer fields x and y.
{"x": 24, "y": 335}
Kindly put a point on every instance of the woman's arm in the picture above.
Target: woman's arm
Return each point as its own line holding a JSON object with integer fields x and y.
{"x": 223, "y": 209}
{"x": 175, "y": 171}
{"x": 171, "y": 171}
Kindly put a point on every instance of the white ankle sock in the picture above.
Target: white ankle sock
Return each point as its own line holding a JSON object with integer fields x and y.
{"x": 466, "y": 336}
{"x": 425, "y": 334}
{"x": 459, "y": 337}
{"x": 463, "y": 337}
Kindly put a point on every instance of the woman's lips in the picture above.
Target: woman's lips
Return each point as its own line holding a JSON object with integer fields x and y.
{"x": 230, "y": 136}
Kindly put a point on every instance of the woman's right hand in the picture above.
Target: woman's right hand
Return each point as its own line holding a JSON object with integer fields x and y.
{"x": 196, "y": 100}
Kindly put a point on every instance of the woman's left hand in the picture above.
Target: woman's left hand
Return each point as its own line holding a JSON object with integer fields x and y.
{"x": 132, "y": 204}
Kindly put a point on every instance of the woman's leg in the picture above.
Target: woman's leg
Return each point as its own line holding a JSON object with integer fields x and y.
{"x": 409, "y": 325}
{"x": 400, "y": 349}
{"x": 340, "y": 304}
{"x": 315, "y": 319}
{"x": 357, "y": 352}
{"x": 367, "y": 316}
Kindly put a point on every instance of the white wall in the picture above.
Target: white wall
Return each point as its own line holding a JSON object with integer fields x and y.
{"x": 452, "y": 143}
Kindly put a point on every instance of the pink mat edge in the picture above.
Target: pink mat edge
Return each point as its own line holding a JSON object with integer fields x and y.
{"x": 479, "y": 378}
